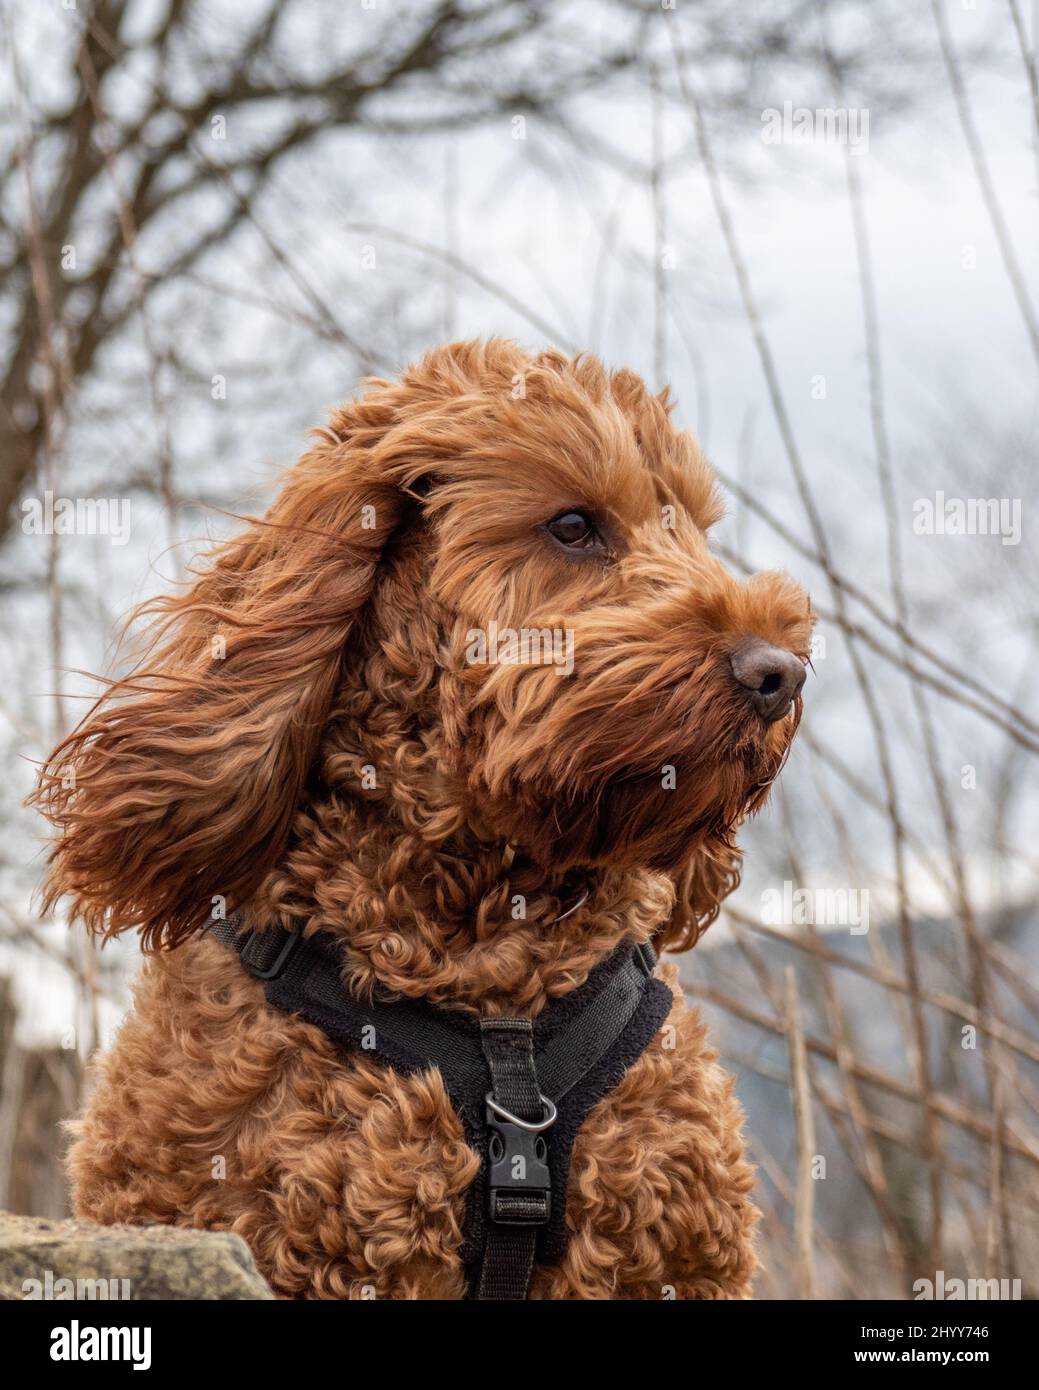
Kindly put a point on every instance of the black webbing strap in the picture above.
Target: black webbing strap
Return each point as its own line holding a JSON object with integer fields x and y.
{"x": 520, "y": 1089}
{"x": 568, "y": 1056}
{"x": 526, "y": 1089}
{"x": 303, "y": 975}
{"x": 519, "y": 1185}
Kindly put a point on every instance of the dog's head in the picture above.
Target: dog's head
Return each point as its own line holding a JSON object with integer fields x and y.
{"x": 515, "y": 549}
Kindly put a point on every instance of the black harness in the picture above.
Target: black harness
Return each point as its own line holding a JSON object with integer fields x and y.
{"x": 521, "y": 1087}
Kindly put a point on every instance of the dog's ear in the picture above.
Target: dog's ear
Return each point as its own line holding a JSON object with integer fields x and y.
{"x": 177, "y": 790}
{"x": 711, "y": 873}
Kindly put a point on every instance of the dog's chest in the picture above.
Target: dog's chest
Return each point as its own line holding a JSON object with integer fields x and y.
{"x": 381, "y": 1167}
{"x": 349, "y": 1179}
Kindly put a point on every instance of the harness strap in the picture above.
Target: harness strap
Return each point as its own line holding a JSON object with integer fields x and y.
{"x": 521, "y": 1089}
{"x": 519, "y": 1184}
{"x": 568, "y": 1057}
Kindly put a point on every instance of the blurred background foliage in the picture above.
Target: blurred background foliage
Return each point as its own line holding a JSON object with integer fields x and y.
{"x": 216, "y": 218}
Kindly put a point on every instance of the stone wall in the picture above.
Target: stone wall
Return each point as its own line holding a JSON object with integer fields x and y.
{"x": 40, "y": 1258}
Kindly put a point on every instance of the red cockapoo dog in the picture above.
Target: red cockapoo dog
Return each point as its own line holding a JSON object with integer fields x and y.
{"x": 340, "y": 732}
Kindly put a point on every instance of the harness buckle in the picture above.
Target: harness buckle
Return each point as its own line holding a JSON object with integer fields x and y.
{"x": 257, "y": 956}
{"x": 519, "y": 1183}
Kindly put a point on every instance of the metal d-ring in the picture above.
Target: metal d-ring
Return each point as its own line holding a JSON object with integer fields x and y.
{"x": 535, "y": 1128}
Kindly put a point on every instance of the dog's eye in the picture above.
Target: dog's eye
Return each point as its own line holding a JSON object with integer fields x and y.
{"x": 576, "y": 531}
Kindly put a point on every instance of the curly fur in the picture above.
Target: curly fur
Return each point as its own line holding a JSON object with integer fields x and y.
{"x": 304, "y": 739}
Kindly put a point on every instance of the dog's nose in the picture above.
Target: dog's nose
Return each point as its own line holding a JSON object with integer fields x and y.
{"x": 771, "y": 676}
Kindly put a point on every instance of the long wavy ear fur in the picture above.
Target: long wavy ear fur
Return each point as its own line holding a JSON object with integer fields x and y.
{"x": 179, "y": 786}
